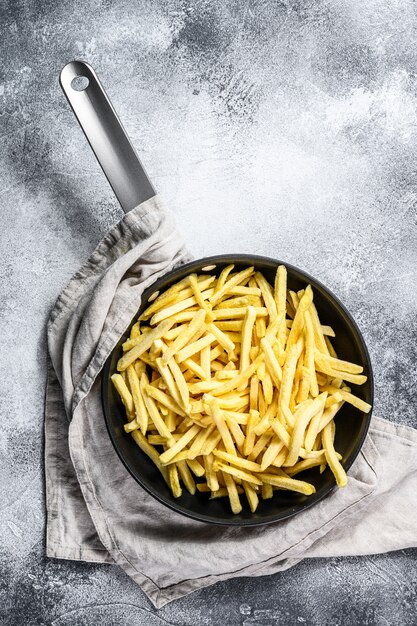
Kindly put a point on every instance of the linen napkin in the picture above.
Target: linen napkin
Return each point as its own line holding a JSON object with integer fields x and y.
{"x": 97, "y": 512}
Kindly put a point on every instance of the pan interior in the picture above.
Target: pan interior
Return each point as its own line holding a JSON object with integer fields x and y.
{"x": 351, "y": 424}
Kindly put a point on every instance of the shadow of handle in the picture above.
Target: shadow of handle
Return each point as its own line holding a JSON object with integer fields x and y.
{"x": 106, "y": 135}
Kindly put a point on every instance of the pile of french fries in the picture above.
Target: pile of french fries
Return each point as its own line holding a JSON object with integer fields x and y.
{"x": 231, "y": 386}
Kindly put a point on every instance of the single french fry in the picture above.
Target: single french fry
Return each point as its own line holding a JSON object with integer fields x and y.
{"x": 196, "y": 467}
{"x": 236, "y": 431}
{"x": 174, "y": 481}
{"x": 267, "y": 294}
{"x": 253, "y": 393}
{"x": 195, "y": 347}
{"x": 179, "y": 445}
{"x": 232, "y": 493}
{"x": 178, "y": 307}
{"x": 221, "y": 338}
{"x": 237, "y": 461}
{"x": 271, "y": 452}
{"x": 331, "y": 458}
{"x": 141, "y": 411}
{"x": 180, "y": 382}
{"x": 186, "y": 477}
{"x": 267, "y": 491}
{"x": 235, "y": 471}
{"x": 302, "y": 418}
{"x": 260, "y": 445}
{"x": 303, "y": 465}
{"x": 222, "y": 278}
{"x": 250, "y": 433}
{"x": 288, "y": 483}
{"x": 245, "y": 291}
{"x": 239, "y": 312}
{"x": 130, "y": 426}
{"x": 251, "y": 496}
{"x": 233, "y": 325}
{"x": 319, "y": 340}
{"x": 247, "y": 330}
{"x": 281, "y": 432}
{"x": 135, "y": 330}
{"x": 329, "y": 414}
{"x": 199, "y": 297}
{"x": 313, "y": 428}
{"x": 211, "y": 474}
{"x": 125, "y": 395}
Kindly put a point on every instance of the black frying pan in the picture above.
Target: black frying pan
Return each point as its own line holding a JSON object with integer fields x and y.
{"x": 131, "y": 185}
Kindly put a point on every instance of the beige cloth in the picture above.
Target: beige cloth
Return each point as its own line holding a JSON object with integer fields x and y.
{"x": 97, "y": 512}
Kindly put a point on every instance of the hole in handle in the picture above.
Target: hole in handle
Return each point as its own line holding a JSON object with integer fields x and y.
{"x": 80, "y": 83}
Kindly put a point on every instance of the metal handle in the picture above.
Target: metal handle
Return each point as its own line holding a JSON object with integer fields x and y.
{"x": 106, "y": 135}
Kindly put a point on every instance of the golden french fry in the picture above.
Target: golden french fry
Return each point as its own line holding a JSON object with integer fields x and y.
{"x": 251, "y": 496}
{"x": 211, "y": 474}
{"x": 232, "y": 493}
{"x": 237, "y": 461}
{"x": 331, "y": 457}
{"x": 271, "y": 452}
{"x": 179, "y": 307}
{"x": 222, "y": 278}
{"x": 288, "y": 483}
{"x": 125, "y": 395}
{"x": 267, "y": 293}
{"x": 302, "y": 418}
{"x": 247, "y": 330}
{"x": 179, "y": 445}
{"x": 195, "y": 347}
{"x": 250, "y": 432}
{"x": 235, "y": 471}
{"x": 199, "y": 297}
{"x": 179, "y": 291}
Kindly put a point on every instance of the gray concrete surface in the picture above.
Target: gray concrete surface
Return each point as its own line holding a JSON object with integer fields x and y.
{"x": 282, "y": 128}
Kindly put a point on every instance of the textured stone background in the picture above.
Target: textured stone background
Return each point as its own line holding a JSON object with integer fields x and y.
{"x": 284, "y": 128}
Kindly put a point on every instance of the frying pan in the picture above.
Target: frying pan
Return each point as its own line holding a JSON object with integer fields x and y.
{"x": 132, "y": 186}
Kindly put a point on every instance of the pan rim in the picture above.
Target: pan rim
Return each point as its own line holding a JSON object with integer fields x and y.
{"x": 242, "y": 258}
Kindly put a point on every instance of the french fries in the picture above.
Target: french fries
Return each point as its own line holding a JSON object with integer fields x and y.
{"x": 231, "y": 387}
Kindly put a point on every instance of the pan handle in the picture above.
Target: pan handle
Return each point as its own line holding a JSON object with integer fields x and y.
{"x": 106, "y": 135}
